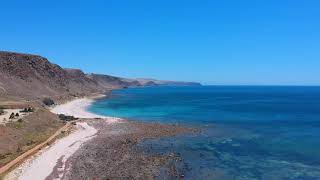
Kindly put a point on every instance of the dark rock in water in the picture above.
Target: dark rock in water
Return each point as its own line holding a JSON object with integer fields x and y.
{"x": 202, "y": 155}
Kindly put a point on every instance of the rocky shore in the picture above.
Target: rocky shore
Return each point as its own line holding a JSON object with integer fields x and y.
{"x": 102, "y": 147}
{"x": 113, "y": 154}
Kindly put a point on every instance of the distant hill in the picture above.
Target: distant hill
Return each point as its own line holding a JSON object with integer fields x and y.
{"x": 33, "y": 76}
{"x": 112, "y": 82}
{"x": 154, "y": 82}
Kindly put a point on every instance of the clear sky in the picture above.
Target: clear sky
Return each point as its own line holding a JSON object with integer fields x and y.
{"x": 214, "y": 42}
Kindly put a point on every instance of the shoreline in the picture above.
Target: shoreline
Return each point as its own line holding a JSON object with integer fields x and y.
{"x": 78, "y": 108}
{"x": 44, "y": 161}
{"x": 100, "y": 141}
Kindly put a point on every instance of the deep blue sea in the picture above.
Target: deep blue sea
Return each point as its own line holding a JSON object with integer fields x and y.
{"x": 248, "y": 132}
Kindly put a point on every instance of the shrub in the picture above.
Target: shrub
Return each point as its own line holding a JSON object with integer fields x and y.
{"x": 1, "y": 111}
{"x": 48, "y": 101}
{"x": 66, "y": 118}
{"x": 2, "y": 156}
{"x": 17, "y": 114}
{"x": 12, "y": 116}
{"x": 19, "y": 149}
{"x": 26, "y": 110}
{"x": 20, "y": 120}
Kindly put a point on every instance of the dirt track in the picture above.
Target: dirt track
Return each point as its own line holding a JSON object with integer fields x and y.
{"x": 34, "y": 150}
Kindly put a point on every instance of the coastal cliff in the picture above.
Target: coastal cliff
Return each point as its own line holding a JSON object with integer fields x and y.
{"x": 32, "y": 76}
{"x": 29, "y": 84}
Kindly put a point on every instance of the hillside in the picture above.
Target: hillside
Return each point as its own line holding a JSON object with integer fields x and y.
{"x": 32, "y": 76}
{"x": 154, "y": 82}
{"x": 111, "y": 82}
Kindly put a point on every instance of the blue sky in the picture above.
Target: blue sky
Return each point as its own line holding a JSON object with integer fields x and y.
{"x": 234, "y": 42}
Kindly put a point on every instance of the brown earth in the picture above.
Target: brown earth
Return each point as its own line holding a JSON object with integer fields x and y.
{"x": 4, "y": 169}
{"x": 19, "y": 137}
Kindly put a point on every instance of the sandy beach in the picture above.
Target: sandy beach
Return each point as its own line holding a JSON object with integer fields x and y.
{"x": 53, "y": 157}
{"x": 99, "y": 147}
{"x": 78, "y": 108}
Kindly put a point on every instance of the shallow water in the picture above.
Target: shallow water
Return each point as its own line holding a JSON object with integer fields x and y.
{"x": 248, "y": 132}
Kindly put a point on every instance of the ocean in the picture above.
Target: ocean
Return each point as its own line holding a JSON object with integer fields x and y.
{"x": 247, "y": 132}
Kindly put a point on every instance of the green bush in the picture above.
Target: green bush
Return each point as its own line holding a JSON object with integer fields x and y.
{"x": 30, "y": 109}
{"x": 66, "y": 118}
{"x": 12, "y": 115}
{"x": 26, "y": 110}
{"x": 48, "y": 101}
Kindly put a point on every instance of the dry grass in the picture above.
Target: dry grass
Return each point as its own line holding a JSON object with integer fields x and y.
{"x": 18, "y": 137}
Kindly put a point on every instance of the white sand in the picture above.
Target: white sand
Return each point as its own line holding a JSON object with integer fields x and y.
{"x": 78, "y": 108}
{"x": 43, "y": 163}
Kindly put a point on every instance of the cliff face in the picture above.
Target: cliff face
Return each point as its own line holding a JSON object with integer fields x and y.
{"x": 32, "y": 76}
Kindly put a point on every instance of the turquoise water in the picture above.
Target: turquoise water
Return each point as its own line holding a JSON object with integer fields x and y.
{"x": 248, "y": 132}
